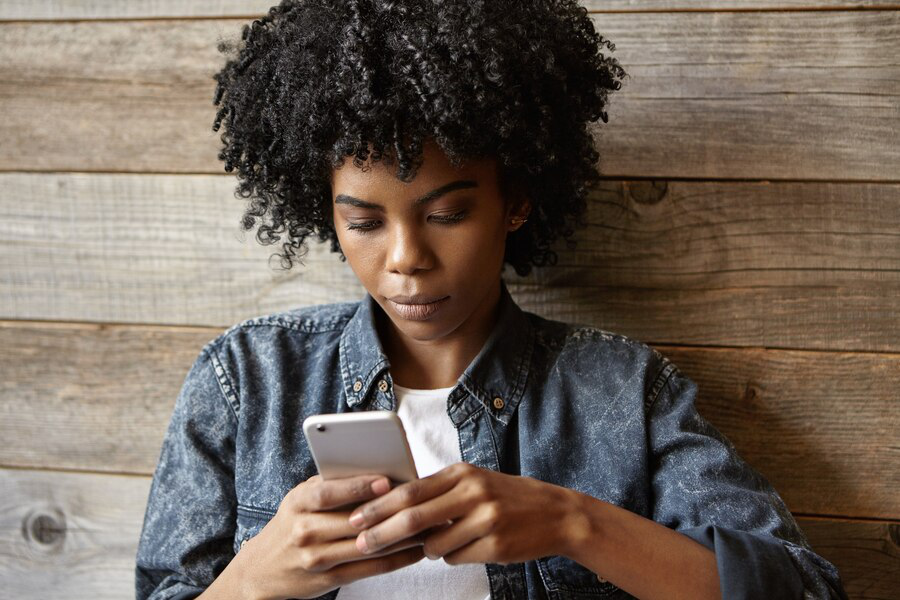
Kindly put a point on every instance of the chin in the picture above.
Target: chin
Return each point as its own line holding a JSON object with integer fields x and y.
{"x": 424, "y": 331}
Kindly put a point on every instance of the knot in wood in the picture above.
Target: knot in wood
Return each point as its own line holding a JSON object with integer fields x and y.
{"x": 44, "y": 528}
{"x": 894, "y": 534}
{"x": 751, "y": 392}
{"x": 647, "y": 192}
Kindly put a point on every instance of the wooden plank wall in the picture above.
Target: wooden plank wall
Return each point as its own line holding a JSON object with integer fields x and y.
{"x": 748, "y": 227}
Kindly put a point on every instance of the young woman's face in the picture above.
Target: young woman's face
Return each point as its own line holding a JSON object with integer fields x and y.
{"x": 429, "y": 251}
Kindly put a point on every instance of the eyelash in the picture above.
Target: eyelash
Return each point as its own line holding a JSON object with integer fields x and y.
{"x": 369, "y": 226}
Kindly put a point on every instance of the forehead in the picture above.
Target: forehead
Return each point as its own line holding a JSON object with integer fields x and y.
{"x": 435, "y": 171}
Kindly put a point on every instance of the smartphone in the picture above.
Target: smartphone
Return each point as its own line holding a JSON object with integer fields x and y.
{"x": 360, "y": 443}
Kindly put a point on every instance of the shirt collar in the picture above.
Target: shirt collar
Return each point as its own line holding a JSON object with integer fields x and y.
{"x": 495, "y": 378}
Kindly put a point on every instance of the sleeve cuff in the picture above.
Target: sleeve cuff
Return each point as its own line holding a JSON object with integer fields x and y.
{"x": 186, "y": 595}
{"x": 750, "y": 565}
{"x": 183, "y": 591}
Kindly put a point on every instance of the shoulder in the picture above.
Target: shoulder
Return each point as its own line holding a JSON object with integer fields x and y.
{"x": 591, "y": 355}
{"x": 571, "y": 339}
{"x": 297, "y": 325}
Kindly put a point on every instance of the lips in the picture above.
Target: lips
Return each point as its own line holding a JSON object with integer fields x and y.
{"x": 418, "y": 307}
{"x": 416, "y": 299}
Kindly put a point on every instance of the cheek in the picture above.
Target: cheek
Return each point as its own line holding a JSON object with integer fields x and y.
{"x": 370, "y": 261}
{"x": 363, "y": 255}
{"x": 484, "y": 242}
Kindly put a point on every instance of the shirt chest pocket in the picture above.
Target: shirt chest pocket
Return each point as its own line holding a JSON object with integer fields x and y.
{"x": 250, "y": 521}
{"x": 565, "y": 579}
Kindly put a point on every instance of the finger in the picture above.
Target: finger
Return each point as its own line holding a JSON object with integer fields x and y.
{"x": 369, "y": 567}
{"x": 329, "y": 494}
{"x": 480, "y": 550}
{"x": 412, "y": 520}
{"x": 464, "y": 532}
{"x": 327, "y": 556}
{"x": 408, "y": 494}
{"x": 311, "y": 529}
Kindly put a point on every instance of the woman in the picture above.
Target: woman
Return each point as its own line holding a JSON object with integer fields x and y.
{"x": 431, "y": 143}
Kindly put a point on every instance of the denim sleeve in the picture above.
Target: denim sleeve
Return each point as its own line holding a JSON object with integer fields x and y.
{"x": 704, "y": 490}
{"x": 188, "y": 531}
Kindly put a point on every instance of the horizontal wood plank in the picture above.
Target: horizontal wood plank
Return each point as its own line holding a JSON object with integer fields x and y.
{"x": 822, "y": 427}
{"x": 116, "y": 9}
{"x": 94, "y": 397}
{"x": 797, "y": 95}
{"x": 113, "y": 9}
{"x": 75, "y": 535}
{"x": 69, "y": 535}
{"x": 788, "y": 265}
{"x": 715, "y": 5}
{"x": 867, "y": 554}
{"x": 147, "y": 249}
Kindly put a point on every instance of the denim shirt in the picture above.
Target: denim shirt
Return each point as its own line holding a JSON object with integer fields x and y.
{"x": 579, "y": 407}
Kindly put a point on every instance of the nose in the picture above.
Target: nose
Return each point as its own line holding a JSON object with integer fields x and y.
{"x": 408, "y": 250}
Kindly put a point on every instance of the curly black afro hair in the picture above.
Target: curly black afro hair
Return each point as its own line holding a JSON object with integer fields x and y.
{"x": 315, "y": 81}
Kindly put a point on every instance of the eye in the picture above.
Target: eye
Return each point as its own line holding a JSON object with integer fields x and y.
{"x": 364, "y": 227}
{"x": 450, "y": 219}
{"x": 369, "y": 226}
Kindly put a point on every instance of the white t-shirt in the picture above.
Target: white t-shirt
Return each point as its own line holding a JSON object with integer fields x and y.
{"x": 434, "y": 444}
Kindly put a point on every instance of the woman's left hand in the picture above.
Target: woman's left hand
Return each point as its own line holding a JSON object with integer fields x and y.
{"x": 496, "y": 517}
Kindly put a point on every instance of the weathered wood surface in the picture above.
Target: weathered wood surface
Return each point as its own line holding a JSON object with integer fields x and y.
{"x": 791, "y": 265}
{"x": 867, "y": 554}
{"x": 95, "y": 397}
{"x": 75, "y": 535}
{"x": 798, "y": 95}
{"x": 146, "y": 249}
{"x": 716, "y": 5}
{"x": 822, "y": 427}
{"x": 116, "y": 9}
{"x": 805, "y": 94}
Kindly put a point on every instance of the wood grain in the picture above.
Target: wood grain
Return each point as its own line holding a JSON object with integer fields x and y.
{"x": 94, "y": 397}
{"x": 867, "y": 554}
{"x": 116, "y": 9}
{"x": 725, "y": 5}
{"x": 75, "y": 535}
{"x": 821, "y": 426}
{"x": 69, "y": 535}
{"x": 113, "y": 9}
{"x": 790, "y": 265}
{"x": 150, "y": 267}
{"x": 796, "y": 95}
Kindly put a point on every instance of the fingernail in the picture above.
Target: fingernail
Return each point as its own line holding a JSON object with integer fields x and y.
{"x": 381, "y": 486}
{"x": 361, "y": 544}
{"x": 356, "y": 520}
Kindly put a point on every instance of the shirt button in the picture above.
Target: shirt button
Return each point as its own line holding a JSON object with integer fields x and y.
{"x": 357, "y": 386}
{"x": 242, "y": 544}
{"x": 600, "y": 579}
{"x": 498, "y": 402}
{"x": 382, "y": 385}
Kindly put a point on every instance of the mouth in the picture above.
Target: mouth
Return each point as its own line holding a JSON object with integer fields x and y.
{"x": 418, "y": 307}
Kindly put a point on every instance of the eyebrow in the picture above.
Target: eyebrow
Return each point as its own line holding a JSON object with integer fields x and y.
{"x": 429, "y": 197}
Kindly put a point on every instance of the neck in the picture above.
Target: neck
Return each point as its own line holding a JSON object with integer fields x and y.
{"x": 431, "y": 364}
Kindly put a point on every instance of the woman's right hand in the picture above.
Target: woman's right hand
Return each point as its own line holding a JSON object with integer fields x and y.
{"x": 309, "y": 547}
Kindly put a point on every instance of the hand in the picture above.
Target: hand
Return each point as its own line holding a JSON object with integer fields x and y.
{"x": 495, "y": 517}
{"x": 307, "y": 549}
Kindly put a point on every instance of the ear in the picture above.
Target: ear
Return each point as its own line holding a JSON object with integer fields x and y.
{"x": 515, "y": 197}
{"x": 517, "y": 213}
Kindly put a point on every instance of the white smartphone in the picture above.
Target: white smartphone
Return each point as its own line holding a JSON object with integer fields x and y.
{"x": 360, "y": 443}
